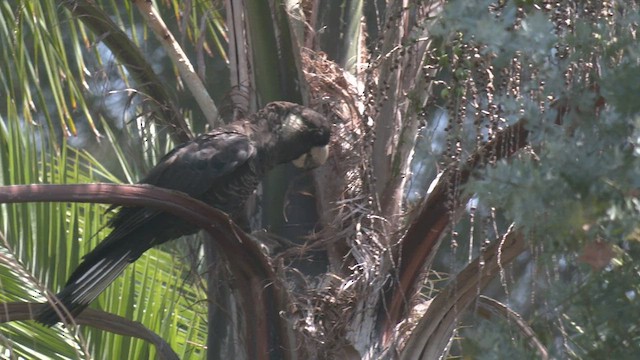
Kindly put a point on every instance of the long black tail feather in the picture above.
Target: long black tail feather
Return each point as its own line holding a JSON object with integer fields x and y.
{"x": 84, "y": 285}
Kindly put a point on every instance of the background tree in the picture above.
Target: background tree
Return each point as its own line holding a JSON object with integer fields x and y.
{"x": 483, "y": 173}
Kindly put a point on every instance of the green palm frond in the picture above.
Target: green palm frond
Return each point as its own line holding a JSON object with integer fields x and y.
{"x": 45, "y": 242}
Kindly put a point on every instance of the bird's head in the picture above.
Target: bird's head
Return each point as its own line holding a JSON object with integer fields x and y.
{"x": 300, "y": 135}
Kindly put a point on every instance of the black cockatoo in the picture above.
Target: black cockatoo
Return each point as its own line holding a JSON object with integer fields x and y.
{"x": 221, "y": 168}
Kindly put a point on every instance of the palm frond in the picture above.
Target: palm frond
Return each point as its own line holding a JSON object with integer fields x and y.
{"x": 46, "y": 241}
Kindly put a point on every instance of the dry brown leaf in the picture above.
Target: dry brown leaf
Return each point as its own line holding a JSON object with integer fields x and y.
{"x": 597, "y": 254}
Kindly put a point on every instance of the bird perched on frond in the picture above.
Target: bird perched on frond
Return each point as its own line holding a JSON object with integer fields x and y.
{"x": 221, "y": 168}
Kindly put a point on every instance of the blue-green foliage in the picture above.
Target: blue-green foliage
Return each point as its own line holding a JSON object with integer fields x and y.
{"x": 579, "y": 182}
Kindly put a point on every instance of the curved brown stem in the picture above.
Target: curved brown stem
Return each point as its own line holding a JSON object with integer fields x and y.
{"x": 422, "y": 238}
{"x": 262, "y": 294}
{"x": 94, "y": 318}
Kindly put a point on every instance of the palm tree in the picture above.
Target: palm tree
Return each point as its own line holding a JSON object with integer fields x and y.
{"x": 97, "y": 91}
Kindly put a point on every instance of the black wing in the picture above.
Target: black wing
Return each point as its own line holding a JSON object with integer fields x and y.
{"x": 191, "y": 168}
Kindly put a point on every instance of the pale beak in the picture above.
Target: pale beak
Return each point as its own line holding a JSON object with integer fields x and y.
{"x": 315, "y": 157}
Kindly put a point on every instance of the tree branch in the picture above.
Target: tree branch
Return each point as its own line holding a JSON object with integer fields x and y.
{"x": 263, "y": 296}
{"x": 488, "y": 307}
{"x": 94, "y": 318}
{"x": 431, "y": 336}
{"x": 422, "y": 238}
